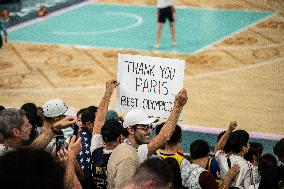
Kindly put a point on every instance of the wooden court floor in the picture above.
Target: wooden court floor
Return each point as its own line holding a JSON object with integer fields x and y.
{"x": 240, "y": 78}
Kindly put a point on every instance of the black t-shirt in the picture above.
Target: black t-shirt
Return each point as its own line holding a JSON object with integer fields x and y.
{"x": 99, "y": 169}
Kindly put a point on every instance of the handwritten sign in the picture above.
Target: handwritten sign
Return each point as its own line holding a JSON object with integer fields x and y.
{"x": 148, "y": 83}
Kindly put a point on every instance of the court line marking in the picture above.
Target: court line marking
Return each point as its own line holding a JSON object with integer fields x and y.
{"x": 48, "y": 16}
{"x": 198, "y": 76}
{"x": 216, "y": 131}
{"x": 233, "y": 70}
{"x": 187, "y": 7}
{"x": 173, "y": 51}
{"x": 233, "y": 34}
{"x": 58, "y": 89}
{"x": 138, "y": 22}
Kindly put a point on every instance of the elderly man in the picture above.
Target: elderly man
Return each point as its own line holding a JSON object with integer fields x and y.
{"x": 15, "y": 128}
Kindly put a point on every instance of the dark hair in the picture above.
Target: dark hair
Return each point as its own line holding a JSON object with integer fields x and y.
{"x": 255, "y": 149}
{"x": 177, "y": 182}
{"x": 89, "y": 115}
{"x": 176, "y": 136}
{"x": 226, "y": 148}
{"x": 153, "y": 169}
{"x": 2, "y": 108}
{"x": 237, "y": 140}
{"x": 32, "y": 114}
{"x": 26, "y": 168}
{"x": 266, "y": 162}
{"x": 81, "y": 111}
{"x": 199, "y": 149}
{"x": 111, "y": 130}
{"x": 279, "y": 148}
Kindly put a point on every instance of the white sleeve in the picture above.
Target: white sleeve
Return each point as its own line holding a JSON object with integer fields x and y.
{"x": 184, "y": 167}
{"x": 96, "y": 142}
{"x": 142, "y": 152}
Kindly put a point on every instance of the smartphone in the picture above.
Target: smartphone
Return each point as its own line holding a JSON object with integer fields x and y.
{"x": 59, "y": 142}
{"x": 75, "y": 130}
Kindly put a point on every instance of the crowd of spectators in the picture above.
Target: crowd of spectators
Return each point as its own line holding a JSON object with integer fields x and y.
{"x": 109, "y": 151}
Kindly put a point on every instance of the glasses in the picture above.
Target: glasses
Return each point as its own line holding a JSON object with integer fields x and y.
{"x": 144, "y": 127}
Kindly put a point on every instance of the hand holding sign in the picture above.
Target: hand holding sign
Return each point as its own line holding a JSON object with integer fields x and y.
{"x": 181, "y": 98}
{"x": 110, "y": 86}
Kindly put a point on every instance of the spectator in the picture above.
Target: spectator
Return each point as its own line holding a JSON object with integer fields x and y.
{"x": 126, "y": 157}
{"x": 79, "y": 118}
{"x": 34, "y": 119}
{"x": 238, "y": 142}
{"x": 55, "y": 110}
{"x": 106, "y": 137}
{"x": 175, "y": 167}
{"x": 45, "y": 172}
{"x": 26, "y": 168}
{"x": 253, "y": 156}
{"x": 153, "y": 173}
{"x": 15, "y": 128}
{"x": 1, "y": 137}
{"x": 266, "y": 162}
{"x": 274, "y": 177}
{"x": 197, "y": 175}
{"x": 169, "y": 150}
{"x": 85, "y": 132}
{"x": 2, "y": 108}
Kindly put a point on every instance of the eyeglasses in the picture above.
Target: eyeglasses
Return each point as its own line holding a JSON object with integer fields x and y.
{"x": 145, "y": 127}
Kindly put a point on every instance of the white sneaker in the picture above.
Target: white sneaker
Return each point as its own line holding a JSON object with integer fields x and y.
{"x": 156, "y": 45}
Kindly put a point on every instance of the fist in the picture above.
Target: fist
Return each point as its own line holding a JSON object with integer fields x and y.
{"x": 181, "y": 98}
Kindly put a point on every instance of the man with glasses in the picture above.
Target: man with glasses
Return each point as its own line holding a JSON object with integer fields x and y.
{"x": 138, "y": 146}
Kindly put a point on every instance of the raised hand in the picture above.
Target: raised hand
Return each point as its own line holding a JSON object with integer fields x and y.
{"x": 110, "y": 85}
{"x": 233, "y": 125}
{"x": 64, "y": 123}
{"x": 181, "y": 98}
{"x": 74, "y": 147}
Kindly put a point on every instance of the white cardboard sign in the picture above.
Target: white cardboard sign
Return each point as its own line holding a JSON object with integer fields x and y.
{"x": 148, "y": 83}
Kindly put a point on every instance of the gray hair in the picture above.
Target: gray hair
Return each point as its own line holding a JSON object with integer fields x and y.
{"x": 11, "y": 118}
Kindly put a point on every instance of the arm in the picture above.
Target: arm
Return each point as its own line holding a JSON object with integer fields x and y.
{"x": 232, "y": 173}
{"x": 73, "y": 149}
{"x": 103, "y": 107}
{"x": 169, "y": 127}
{"x": 221, "y": 143}
{"x": 44, "y": 139}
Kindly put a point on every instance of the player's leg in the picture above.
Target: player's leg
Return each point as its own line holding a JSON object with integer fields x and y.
{"x": 173, "y": 33}
{"x": 172, "y": 13}
{"x": 161, "y": 21}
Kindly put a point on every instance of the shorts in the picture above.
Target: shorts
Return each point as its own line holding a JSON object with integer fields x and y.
{"x": 165, "y": 13}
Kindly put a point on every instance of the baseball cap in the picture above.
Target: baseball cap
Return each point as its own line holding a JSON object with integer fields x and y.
{"x": 111, "y": 114}
{"x": 55, "y": 107}
{"x": 137, "y": 117}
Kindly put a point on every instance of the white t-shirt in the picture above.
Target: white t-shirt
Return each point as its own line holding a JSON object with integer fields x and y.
{"x": 164, "y": 3}
{"x": 243, "y": 180}
{"x": 96, "y": 142}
